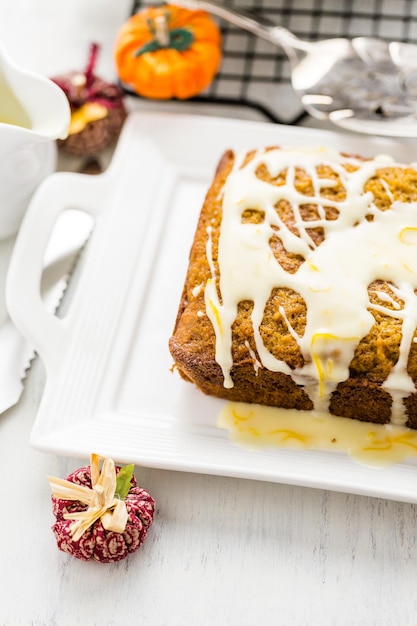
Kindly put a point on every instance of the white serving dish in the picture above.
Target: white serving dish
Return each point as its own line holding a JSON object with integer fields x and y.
{"x": 109, "y": 386}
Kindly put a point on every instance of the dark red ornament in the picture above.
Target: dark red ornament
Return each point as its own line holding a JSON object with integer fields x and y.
{"x": 97, "y": 110}
{"x": 94, "y": 540}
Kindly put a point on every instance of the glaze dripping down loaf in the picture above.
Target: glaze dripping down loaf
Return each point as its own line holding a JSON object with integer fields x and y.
{"x": 301, "y": 286}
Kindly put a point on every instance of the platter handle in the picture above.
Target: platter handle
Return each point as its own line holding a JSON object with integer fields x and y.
{"x": 60, "y": 192}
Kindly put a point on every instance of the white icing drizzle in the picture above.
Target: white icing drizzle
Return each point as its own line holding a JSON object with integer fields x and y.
{"x": 387, "y": 189}
{"x": 256, "y": 363}
{"x": 333, "y": 280}
{"x": 209, "y": 252}
{"x": 290, "y": 328}
{"x": 382, "y": 295}
{"x": 197, "y": 290}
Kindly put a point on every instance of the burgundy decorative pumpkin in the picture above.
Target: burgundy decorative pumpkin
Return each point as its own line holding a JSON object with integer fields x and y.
{"x": 100, "y": 515}
{"x": 97, "y": 110}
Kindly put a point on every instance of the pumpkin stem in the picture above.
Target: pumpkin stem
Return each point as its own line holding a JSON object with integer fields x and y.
{"x": 92, "y": 61}
{"x": 179, "y": 39}
{"x": 162, "y": 31}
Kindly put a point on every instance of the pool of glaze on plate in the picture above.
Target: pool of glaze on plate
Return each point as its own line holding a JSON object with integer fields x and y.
{"x": 258, "y": 427}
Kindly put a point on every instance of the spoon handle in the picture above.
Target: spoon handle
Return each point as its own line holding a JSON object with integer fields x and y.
{"x": 276, "y": 35}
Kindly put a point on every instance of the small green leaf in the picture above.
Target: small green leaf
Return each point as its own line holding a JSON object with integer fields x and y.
{"x": 180, "y": 39}
{"x": 123, "y": 481}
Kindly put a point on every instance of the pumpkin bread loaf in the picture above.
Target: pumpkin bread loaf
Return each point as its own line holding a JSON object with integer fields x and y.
{"x": 301, "y": 286}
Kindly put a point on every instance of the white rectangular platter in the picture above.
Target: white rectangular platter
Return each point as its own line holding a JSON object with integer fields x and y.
{"x": 109, "y": 385}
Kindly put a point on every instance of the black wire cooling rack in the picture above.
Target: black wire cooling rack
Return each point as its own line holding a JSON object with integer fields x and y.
{"x": 256, "y": 74}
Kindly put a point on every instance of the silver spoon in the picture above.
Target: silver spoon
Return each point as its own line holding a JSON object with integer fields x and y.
{"x": 365, "y": 84}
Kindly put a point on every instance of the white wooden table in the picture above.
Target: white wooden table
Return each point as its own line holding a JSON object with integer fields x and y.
{"x": 221, "y": 551}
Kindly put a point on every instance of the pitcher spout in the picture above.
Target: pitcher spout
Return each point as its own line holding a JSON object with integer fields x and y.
{"x": 32, "y": 102}
{"x": 34, "y": 113}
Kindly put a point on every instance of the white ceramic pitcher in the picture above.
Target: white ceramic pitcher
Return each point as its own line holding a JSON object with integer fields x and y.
{"x": 34, "y": 112}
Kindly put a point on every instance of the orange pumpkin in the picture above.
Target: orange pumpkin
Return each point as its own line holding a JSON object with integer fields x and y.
{"x": 168, "y": 52}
